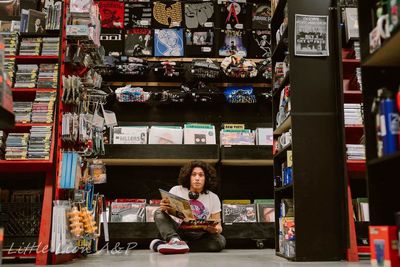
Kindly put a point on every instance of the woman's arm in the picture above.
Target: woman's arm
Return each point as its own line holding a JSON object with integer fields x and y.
{"x": 215, "y": 229}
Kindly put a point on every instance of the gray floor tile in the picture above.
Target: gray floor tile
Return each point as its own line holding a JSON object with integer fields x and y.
{"x": 226, "y": 258}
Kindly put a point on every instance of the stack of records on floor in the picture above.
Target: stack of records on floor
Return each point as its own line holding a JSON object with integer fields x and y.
{"x": 10, "y": 41}
{"x": 42, "y": 109}
{"x": 17, "y": 146}
{"x": 39, "y": 142}
{"x": 22, "y": 111}
{"x": 30, "y": 47}
{"x": 352, "y": 114}
{"x": 51, "y": 46}
{"x": 48, "y": 76}
{"x": 355, "y": 152}
{"x": 26, "y": 76}
{"x": 2, "y": 144}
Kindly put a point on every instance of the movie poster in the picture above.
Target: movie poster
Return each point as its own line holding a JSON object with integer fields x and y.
{"x": 261, "y": 16}
{"x": 168, "y": 43}
{"x": 112, "y": 14}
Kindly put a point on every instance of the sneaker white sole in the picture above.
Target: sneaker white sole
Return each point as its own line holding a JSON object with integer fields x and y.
{"x": 173, "y": 250}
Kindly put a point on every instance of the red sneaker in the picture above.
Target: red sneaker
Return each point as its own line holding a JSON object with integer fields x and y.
{"x": 173, "y": 247}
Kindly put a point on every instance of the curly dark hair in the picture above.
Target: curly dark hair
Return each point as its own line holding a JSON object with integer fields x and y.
{"x": 210, "y": 173}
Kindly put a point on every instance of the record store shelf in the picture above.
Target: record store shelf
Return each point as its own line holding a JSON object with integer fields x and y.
{"x": 138, "y": 231}
{"x": 158, "y": 155}
{"x": 246, "y": 155}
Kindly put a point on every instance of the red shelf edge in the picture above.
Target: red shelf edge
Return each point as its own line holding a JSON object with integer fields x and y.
{"x": 356, "y": 165}
{"x": 364, "y": 249}
{"x": 25, "y": 125}
{"x": 32, "y": 57}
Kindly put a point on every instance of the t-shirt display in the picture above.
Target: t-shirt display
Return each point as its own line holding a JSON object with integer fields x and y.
{"x": 139, "y": 42}
{"x": 199, "y": 15}
{"x": 138, "y": 15}
{"x": 167, "y": 14}
{"x": 168, "y": 43}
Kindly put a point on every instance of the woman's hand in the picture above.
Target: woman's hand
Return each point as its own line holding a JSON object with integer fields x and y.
{"x": 214, "y": 229}
{"x": 165, "y": 205}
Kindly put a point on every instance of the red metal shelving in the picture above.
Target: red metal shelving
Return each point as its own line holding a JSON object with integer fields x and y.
{"x": 356, "y": 165}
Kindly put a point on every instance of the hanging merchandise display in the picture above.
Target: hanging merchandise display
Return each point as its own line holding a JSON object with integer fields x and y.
{"x": 237, "y": 67}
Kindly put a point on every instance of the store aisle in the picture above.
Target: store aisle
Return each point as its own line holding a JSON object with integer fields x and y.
{"x": 227, "y": 258}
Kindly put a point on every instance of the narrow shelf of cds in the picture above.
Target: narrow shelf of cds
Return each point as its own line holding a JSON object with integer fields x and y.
{"x": 306, "y": 111}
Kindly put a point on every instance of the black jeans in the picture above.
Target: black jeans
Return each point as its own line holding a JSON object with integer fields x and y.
{"x": 197, "y": 241}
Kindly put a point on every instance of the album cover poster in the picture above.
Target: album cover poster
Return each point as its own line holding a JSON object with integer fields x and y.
{"x": 168, "y": 43}
{"x": 260, "y": 44}
{"x": 138, "y": 15}
{"x": 112, "y": 41}
{"x": 261, "y": 16}
{"x": 199, "y": 42}
{"x": 36, "y": 21}
{"x": 167, "y": 14}
{"x": 232, "y": 42}
{"x": 199, "y": 15}
{"x": 112, "y": 14}
{"x": 233, "y": 14}
{"x": 139, "y": 42}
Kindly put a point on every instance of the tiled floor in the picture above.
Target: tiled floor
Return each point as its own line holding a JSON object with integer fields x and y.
{"x": 227, "y": 258}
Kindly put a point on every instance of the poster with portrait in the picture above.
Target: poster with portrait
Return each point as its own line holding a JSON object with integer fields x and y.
{"x": 233, "y": 42}
{"x": 311, "y": 36}
{"x": 168, "y": 43}
{"x": 139, "y": 42}
{"x": 112, "y": 14}
{"x": 199, "y": 42}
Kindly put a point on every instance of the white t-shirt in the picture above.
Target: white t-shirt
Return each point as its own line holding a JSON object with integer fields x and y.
{"x": 202, "y": 207}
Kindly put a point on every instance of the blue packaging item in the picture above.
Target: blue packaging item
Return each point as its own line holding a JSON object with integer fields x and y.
{"x": 390, "y": 124}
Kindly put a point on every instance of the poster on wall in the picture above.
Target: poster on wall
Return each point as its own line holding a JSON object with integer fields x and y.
{"x": 311, "y": 36}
